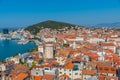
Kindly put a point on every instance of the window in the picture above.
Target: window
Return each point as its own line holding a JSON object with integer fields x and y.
{"x": 60, "y": 72}
{"x": 107, "y": 74}
{"x": 75, "y": 67}
{"x": 100, "y": 68}
{"x": 106, "y": 69}
{"x": 112, "y": 69}
{"x": 37, "y": 73}
{"x": 76, "y": 73}
{"x": 84, "y": 58}
{"x": 46, "y": 68}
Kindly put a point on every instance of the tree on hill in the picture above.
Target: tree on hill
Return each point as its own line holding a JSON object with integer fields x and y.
{"x": 34, "y": 29}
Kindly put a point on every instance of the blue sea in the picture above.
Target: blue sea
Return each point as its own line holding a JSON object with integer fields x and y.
{"x": 10, "y": 47}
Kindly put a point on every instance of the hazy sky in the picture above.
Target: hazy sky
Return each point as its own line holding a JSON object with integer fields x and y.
{"x": 17, "y": 13}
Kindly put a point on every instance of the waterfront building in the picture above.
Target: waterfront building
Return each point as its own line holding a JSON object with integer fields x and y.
{"x": 2, "y": 67}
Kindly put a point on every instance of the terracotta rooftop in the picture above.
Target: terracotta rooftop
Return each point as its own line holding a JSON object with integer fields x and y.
{"x": 88, "y": 72}
{"x": 107, "y": 44}
{"x": 20, "y": 76}
{"x": 37, "y": 77}
{"x": 64, "y": 75}
{"x": 48, "y": 77}
{"x": 69, "y": 66}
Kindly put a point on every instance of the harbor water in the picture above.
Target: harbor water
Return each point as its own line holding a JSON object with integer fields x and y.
{"x": 9, "y": 48}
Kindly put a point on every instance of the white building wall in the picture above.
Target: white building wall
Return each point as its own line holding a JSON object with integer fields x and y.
{"x": 61, "y": 60}
{"x": 49, "y": 39}
{"x": 48, "y": 51}
{"x": 85, "y": 77}
{"x": 40, "y": 49}
{"x": 113, "y": 48}
{"x": 37, "y": 72}
{"x": 73, "y": 74}
{"x": 2, "y": 67}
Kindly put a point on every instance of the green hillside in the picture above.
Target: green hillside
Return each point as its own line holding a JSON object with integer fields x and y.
{"x": 34, "y": 29}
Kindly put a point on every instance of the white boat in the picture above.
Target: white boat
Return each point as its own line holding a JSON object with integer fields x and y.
{"x": 23, "y": 41}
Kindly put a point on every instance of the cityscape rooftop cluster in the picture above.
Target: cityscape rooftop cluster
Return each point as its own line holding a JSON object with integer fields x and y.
{"x": 75, "y": 53}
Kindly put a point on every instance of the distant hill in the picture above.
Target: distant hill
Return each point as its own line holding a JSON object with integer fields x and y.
{"x": 108, "y": 25}
{"x": 34, "y": 29}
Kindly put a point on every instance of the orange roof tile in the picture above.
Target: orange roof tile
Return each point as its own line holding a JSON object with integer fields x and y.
{"x": 50, "y": 64}
{"x": 93, "y": 55}
{"x": 20, "y": 76}
{"x": 107, "y": 44}
{"x": 111, "y": 78}
{"x": 101, "y": 77}
{"x": 37, "y": 59}
{"x": 48, "y": 77}
{"x": 73, "y": 51}
{"x": 88, "y": 72}
{"x": 37, "y": 77}
{"x": 64, "y": 75}
{"x": 107, "y": 69}
{"x": 69, "y": 65}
